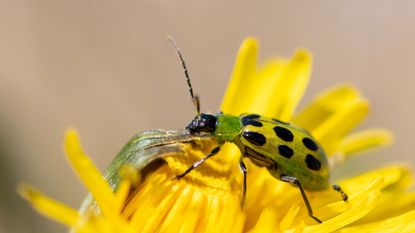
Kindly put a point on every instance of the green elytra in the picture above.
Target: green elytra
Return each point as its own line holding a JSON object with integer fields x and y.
{"x": 289, "y": 152}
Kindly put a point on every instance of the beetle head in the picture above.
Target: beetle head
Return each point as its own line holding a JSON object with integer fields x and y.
{"x": 202, "y": 123}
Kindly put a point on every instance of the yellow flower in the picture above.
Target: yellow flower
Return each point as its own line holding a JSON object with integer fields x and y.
{"x": 208, "y": 199}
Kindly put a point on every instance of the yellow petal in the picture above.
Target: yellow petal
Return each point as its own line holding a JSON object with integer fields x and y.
{"x": 275, "y": 90}
{"x": 402, "y": 202}
{"x": 288, "y": 219}
{"x": 403, "y": 223}
{"x": 244, "y": 69}
{"x": 398, "y": 180}
{"x": 130, "y": 179}
{"x": 291, "y": 86}
{"x": 178, "y": 209}
{"x": 340, "y": 123}
{"x": 49, "y": 207}
{"x": 260, "y": 97}
{"x": 393, "y": 176}
{"x": 90, "y": 175}
{"x": 263, "y": 225}
{"x": 155, "y": 199}
{"x": 359, "y": 204}
{"x": 365, "y": 140}
{"x": 122, "y": 194}
{"x": 325, "y": 105}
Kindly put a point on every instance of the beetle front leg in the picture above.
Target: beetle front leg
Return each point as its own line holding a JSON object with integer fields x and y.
{"x": 242, "y": 166}
{"x": 200, "y": 161}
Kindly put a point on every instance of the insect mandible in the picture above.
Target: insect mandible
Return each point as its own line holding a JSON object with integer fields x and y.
{"x": 287, "y": 151}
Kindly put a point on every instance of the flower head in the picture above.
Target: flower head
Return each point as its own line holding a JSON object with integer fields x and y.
{"x": 147, "y": 198}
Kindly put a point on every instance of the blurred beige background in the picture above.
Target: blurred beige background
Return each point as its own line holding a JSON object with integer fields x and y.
{"x": 105, "y": 68}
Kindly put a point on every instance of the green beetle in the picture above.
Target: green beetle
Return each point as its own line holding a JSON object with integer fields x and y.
{"x": 290, "y": 153}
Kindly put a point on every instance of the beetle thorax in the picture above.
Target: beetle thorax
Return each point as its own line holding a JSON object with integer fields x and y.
{"x": 204, "y": 123}
{"x": 228, "y": 128}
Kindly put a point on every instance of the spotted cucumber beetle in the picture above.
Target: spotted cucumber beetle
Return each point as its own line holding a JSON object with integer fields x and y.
{"x": 288, "y": 152}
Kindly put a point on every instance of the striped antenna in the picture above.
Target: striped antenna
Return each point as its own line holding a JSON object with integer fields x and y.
{"x": 195, "y": 98}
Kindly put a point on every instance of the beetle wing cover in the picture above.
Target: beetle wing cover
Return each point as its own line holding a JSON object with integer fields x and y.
{"x": 285, "y": 145}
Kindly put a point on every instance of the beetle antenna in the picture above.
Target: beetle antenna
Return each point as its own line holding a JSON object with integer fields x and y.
{"x": 195, "y": 98}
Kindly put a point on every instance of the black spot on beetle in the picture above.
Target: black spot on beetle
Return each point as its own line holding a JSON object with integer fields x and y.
{"x": 310, "y": 144}
{"x": 251, "y": 119}
{"x": 254, "y": 138}
{"x": 251, "y": 116}
{"x": 312, "y": 162}
{"x": 285, "y": 151}
{"x": 284, "y": 133}
{"x": 251, "y": 122}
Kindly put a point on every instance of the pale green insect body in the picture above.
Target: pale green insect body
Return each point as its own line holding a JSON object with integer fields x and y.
{"x": 289, "y": 152}
{"x": 283, "y": 148}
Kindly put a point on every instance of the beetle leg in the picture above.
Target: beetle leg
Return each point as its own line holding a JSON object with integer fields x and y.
{"x": 244, "y": 171}
{"x": 340, "y": 190}
{"x": 293, "y": 180}
{"x": 200, "y": 161}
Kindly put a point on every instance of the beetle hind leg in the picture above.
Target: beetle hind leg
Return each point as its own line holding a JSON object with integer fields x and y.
{"x": 340, "y": 190}
{"x": 293, "y": 180}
